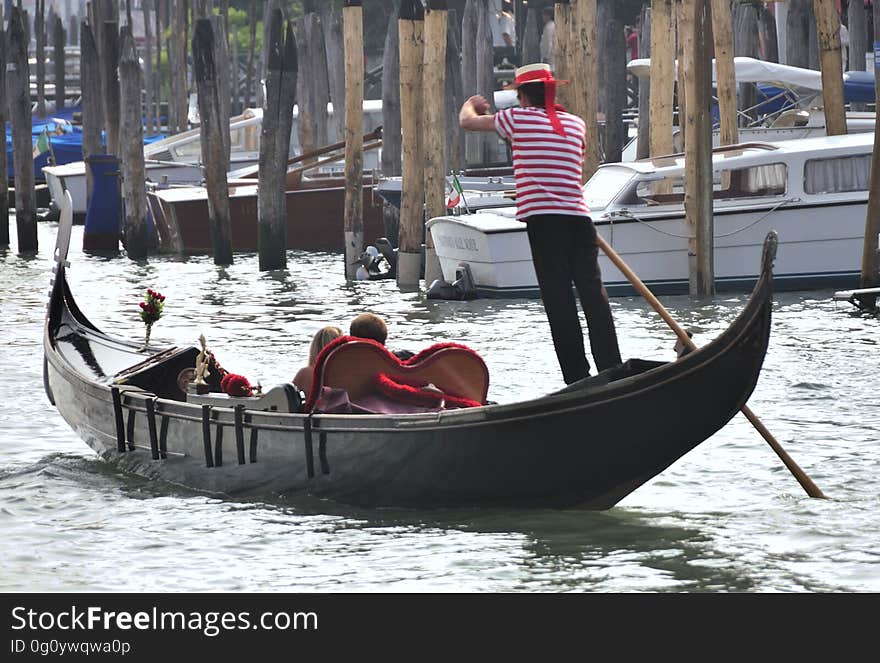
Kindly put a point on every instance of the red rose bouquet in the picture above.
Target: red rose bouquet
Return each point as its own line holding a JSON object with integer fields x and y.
{"x": 151, "y": 311}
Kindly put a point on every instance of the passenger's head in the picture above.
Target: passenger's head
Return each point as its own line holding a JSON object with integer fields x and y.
{"x": 321, "y": 338}
{"x": 369, "y": 325}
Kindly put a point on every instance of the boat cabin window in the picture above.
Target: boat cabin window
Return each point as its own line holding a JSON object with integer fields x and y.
{"x": 605, "y": 185}
{"x": 848, "y": 173}
{"x": 765, "y": 180}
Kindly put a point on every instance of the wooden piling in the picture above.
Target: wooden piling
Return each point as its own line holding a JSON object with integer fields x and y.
{"x": 331, "y": 25}
{"x": 131, "y": 151}
{"x": 455, "y": 135}
{"x": 562, "y": 57}
{"x": 58, "y": 41}
{"x": 858, "y": 39}
{"x": 696, "y": 34}
{"x": 609, "y": 51}
{"x": 235, "y": 74}
{"x": 767, "y": 36}
{"x": 161, "y": 19}
{"x": 178, "y": 99}
{"x": 263, "y": 68}
{"x": 798, "y": 27}
{"x": 583, "y": 94}
{"x": 828, "y": 34}
{"x": 18, "y": 96}
{"x": 146, "y": 7}
{"x": 391, "y": 145}
{"x": 40, "y": 54}
{"x": 281, "y": 85}
{"x": 224, "y": 88}
{"x": 109, "y": 54}
{"x": 722, "y": 33}
{"x": 411, "y": 26}
{"x": 643, "y": 145}
{"x": 212, "y": 142}
{"x": 353, "y": 27}
{"x": 469, "y": 24}
{"x": 870, "y": 277}
{"x": 745, "y": 44}
{"x": 531, "y": 37}
{"x": 4, "y": 162}
{"x": 313, "y": 90}
{"x": 486, "y": 78}
{"x": 662, "y": 76}
{"x": 434, "y": 140}
{"x": 680, "y": 88}
{"x": 92, "y": 108}
{"x": 250, "y": 74}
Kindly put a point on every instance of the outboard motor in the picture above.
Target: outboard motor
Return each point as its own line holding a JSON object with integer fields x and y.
{"x": 461, "y": 289}
{"x": 389, "y": 253}
{"x": 370, "y": 266}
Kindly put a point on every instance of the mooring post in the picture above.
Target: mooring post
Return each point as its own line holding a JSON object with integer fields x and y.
{"x": 434, "y": 140}
{"x": 696, "y": 35}
{"x": 662, "y": 76}
{"x": 767, "y": 36}
{"x": 584, "y": 95}
{"x": 562, "y": 48}
{"x": 469, "y": 24}
{"x": 353, "y": 26}
{"x": 870, "y": 277}
{"x": 828, "y": 34}
{"x": 4, "y": 162}
{"x": 92, "y": 109}
{"x": 58, "y": 41}
{"x": 109, "y": 53}
{"x": 858, "y": 41}
{"x": 331, "y": 25}
{"x": 722, "y": 33}
{"x": 455, "y": 145}
{"x": 178, "y": 99}
{"x": 644, "y": 136}
{"x": 213, "y": 148}
{"x": 131, "y": 150}
{"x": 745, "y": 44}
{"x": 250, "y": 73}
{"x": 40, "y": 54}
{"x": 224, "y": 88}
{"x": 486, "y": 78}
{"x": 161, "y": 19}
{"x": 281, "y": 85}
{"x": 799, "y": 25}
{"x": 235, "y": 74}
{"x": 146, "y": 7}
{"x": 391, "y": 145}
{"x": 18, "y": 95}
{"x": 680, "y": 21}
{"x": 412, "y": 199}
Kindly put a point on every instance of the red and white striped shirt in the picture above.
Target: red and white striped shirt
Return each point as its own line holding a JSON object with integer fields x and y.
{"x": 547, "y": 167}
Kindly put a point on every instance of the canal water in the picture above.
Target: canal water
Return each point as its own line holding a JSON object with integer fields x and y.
{"x": 727, "y": 517}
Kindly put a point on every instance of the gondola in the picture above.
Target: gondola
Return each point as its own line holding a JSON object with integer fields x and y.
{"x": 585, "y": 446}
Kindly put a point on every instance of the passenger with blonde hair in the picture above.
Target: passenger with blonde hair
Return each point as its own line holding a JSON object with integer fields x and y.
{"x": 322, "y": 337}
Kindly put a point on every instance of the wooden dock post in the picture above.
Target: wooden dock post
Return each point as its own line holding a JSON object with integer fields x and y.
{"x": 391, "y": 146}
{"x": 531, "y": 41}
{"x": 870, "y": 277}
{"x": 745, "y": 44}
{"x": 212, "y": 142}
{"x": 58, "y": 41}
{"x": 455, "y": 144}
{"x": 436, "y": 25}
{"x": 92, "y": 109}
{"x": 331, "y": 25}
{"x": 469, "y": 24}
{"x": 662, "y": 75}
{"x": 235, "y": 73}
{"x": 109, "y": 54}
{"x": 486, "y": 77}
{"x": 696, "y": 33}
{"x": 562, "y": 56}
{"x": 250, "y": 74}
{"x": 799, "y": 27}
{"x": 643, "y": 146}
{"x": 40, "y": 55}
{"x": 609, "y": 52}
{"x": 313, "y": 90}
{"x": 131, "y": 151}
{"x": 858, "y": 40}
{"x": 224, "y": 88}
{"x": 353, "y": 27}
{"x": 828, "y": 34}
{"x": 274, "y": 144}
{"x": 4, "y": 162}
{"x": 178, "y": 98}
{"x": 149, "y": 117}
{"x": 583, "y": 94}
{"x": 722, "y": 33}
{"x": 767, "y": 36}
{"x": 18, "y": 95}
{"x": 680, "y": 88}
{"x": 411, "y": 26}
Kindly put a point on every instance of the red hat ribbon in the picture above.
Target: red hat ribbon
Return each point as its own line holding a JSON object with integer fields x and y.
{"x": 545, "y": 77}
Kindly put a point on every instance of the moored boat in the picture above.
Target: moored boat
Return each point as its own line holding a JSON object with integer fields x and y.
{"x": 578, "y": 447}
{"x": 812, "y": 191}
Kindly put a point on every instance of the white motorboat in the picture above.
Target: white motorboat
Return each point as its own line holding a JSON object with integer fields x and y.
{"x": 812, "y": 191}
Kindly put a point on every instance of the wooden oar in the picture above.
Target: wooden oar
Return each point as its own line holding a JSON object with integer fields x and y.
{"x": 811, "y": 488}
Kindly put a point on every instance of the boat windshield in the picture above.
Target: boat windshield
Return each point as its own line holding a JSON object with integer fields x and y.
{"x": 605, "y": 185}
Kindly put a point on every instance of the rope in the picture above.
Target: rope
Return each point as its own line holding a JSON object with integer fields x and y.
{"x": 629, "y": 215}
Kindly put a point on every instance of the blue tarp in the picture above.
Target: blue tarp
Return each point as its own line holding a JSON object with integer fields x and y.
{"x": 67, "y": 146}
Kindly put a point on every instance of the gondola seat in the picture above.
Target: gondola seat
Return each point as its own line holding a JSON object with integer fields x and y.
{"x": 360, "y": 375}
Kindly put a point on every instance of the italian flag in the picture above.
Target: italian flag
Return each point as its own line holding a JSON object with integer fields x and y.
{"x": 455, "y": 195}
{"x": 42, "y": 144}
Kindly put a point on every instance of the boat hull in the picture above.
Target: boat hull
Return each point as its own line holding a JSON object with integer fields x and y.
{"x": 580, "y": 447}
{"x": 813, "y": 253}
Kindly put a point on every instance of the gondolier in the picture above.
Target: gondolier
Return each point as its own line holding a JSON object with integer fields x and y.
{"x": 548, "y": 153}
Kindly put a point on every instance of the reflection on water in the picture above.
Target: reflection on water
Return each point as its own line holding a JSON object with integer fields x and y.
{"x": 726, "y": 517}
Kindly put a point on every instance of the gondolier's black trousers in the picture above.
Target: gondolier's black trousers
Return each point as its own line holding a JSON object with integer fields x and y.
{"x": 564, "y": 251}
